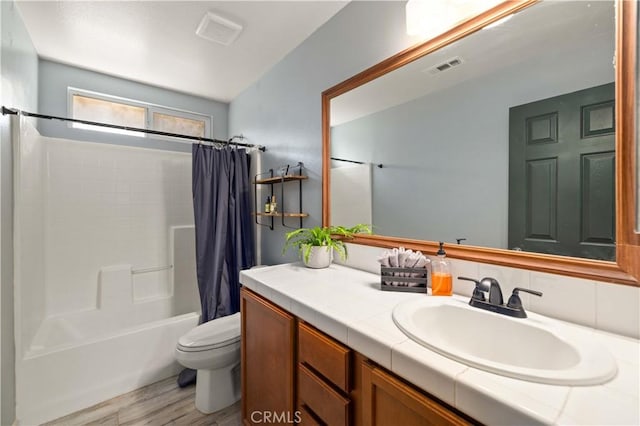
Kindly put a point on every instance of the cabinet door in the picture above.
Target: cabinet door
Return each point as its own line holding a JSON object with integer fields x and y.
{"x": 268, "y": 335}
{"x": 388, "y": 401}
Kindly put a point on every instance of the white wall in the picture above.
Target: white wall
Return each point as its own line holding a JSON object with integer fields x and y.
{"x": 282, "y": 110}
{"x": 19, "y": 87}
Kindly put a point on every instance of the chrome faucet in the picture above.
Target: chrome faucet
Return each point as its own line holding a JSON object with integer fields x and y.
{"x": 513, "y": 308}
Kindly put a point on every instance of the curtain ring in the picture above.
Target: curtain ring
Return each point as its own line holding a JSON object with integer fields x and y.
{"x": 236, "y": 143}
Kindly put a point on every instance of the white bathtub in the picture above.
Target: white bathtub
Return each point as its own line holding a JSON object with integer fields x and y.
{"x": 104, "y": 270}
{"x": 127, "y": 340}
{"x": 73, "y": 363}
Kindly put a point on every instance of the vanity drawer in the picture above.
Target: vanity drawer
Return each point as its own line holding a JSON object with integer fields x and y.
{"x": 307, "y": 418}
{"x": 324, "y": 355}
{"x": 331, "y": 407}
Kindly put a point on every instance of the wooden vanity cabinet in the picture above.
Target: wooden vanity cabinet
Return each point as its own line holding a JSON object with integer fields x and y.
{"x": 267, "y": 361}
{"x": 294, "y": 371}
{"x": 387, "y": 400}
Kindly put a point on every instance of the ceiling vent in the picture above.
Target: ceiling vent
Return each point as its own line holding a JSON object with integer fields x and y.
{"x": 444, "y": 66}
{"x": 218, "y": 29}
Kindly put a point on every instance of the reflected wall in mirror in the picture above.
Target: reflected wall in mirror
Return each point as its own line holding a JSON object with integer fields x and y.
{"x": 444, "y": 143}
{"x": 504, "y": 138}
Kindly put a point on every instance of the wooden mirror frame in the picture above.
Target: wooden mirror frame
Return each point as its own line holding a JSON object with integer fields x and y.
{"x": 626, "y": 268}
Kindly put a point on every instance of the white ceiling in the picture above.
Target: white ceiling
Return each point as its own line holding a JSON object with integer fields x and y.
{"x": 154, "y": 42}
{"x": 547, "y": 32}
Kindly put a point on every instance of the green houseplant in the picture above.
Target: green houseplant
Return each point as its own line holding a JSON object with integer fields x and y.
{"x": 316, "y": 245}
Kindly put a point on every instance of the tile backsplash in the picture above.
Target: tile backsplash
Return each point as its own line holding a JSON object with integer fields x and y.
{"x": 604, "y": 306}
{"x": 570, "y": 299}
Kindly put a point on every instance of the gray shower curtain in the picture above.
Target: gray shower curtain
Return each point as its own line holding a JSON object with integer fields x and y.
{"x": 224, "y": 235}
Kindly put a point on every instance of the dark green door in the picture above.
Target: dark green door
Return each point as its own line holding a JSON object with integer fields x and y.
{"x": 562, "y": 175}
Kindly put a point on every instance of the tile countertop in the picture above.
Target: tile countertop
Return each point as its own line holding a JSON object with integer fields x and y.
{"x": 348, "y": 305}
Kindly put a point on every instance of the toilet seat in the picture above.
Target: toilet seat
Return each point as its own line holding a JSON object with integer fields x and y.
{"x": 213, "y": 334}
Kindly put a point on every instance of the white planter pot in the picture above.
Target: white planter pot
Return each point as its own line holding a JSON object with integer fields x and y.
{"x": 320, "y": 257}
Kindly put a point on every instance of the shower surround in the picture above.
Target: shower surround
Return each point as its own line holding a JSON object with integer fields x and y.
{"x": 105, "y": 278}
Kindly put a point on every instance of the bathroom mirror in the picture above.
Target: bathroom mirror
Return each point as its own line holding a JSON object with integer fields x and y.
{"x": 466, "y": 128}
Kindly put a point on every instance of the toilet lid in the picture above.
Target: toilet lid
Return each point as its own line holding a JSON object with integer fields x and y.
{"x": 212, "y": 334}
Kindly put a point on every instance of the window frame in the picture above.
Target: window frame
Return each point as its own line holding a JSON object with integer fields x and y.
{"x": 150, "y": 109}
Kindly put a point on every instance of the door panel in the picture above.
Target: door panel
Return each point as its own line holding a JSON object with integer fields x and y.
{"x": 598, "y": 190}
{"x": 542, "y": 191}
{"x": 542, "y": 129}
{"x": 598, "y": 119}
{"x": 562, "y": 174}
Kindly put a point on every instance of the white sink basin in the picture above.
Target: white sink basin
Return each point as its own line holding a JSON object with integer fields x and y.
{"x": 533, "y": 349}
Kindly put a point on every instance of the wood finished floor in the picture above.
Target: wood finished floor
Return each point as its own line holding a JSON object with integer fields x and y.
{"x": 162, "y": 403}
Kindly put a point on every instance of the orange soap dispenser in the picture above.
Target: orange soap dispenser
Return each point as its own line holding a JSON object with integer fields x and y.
{"x": 441, "y": 283}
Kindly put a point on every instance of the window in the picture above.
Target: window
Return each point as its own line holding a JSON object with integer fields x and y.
{"x": 92, "y": 109}
{"x": 174, "y": 124}
{"x": 91, "y": 106}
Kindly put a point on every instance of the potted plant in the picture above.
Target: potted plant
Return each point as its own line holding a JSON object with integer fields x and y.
{"x": 316, "y": 245}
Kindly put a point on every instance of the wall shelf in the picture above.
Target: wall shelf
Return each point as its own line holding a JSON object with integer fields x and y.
{"x": 280, "y": 179}
{"x": 288, "y": 174}
{"x": 283, "y": 214}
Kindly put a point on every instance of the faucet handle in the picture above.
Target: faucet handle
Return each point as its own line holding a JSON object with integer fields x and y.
{"x": 478, "y": 291}
{"x": 515, "y": 302}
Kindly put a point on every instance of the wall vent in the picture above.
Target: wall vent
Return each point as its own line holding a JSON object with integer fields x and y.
{"x": 221, "y": 30}
{"x": 446, "y": 65}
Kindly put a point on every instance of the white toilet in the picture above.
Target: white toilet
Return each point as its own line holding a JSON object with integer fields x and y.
{"x": 213, "y": 348}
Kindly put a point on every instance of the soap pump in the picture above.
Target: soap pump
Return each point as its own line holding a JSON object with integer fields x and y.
{"x": 441, "y": 282}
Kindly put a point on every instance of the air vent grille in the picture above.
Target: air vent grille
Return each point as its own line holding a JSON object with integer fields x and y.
{"x": 221, "y": 30}
{"x": 446, "y": 65}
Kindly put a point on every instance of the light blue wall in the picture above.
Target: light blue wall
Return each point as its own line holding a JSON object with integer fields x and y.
{"x": 55, "y": 78}
{"x": 282, "y": 110}
{"x": 441, "y": 180}
{"x": 19, "y": 88}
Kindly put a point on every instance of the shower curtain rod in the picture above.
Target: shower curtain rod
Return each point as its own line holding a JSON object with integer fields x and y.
{"x": 353, "y": 161}
{"x": 13, "y": 111}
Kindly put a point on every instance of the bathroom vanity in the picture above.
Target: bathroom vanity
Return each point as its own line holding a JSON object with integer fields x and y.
{"x": 321, "y": 347}
{"x": 335, "y": 385}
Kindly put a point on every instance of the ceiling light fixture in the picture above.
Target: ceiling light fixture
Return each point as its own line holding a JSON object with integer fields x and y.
{"x": 214, "y": 27}
{"x": 428, "y": 18}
